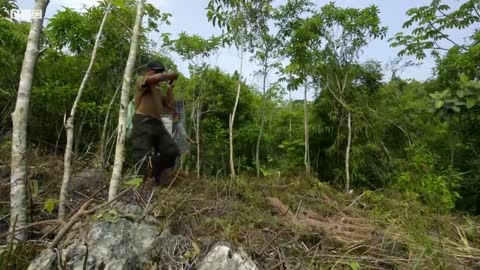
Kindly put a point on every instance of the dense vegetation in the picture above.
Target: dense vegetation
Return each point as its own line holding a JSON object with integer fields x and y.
{"x": 362, "y": 131}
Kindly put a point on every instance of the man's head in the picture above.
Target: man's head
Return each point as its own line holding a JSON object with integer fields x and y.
{"x": 155, "y": 67}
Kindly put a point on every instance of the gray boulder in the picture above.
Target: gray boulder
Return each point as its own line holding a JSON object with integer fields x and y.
{"x": 120, "y": 238}
{"x": 223, "y": 257}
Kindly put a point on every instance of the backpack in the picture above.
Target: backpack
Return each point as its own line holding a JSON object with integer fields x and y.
{"x": 130, "y": 113}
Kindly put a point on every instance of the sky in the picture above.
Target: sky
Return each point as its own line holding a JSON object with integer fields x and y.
{"x": 190, "y": 16}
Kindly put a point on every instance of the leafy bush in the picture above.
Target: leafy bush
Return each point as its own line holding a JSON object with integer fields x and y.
{"x": 418, "y": 177}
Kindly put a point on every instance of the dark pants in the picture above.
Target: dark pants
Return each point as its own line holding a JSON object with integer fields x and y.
{"x": 151, "y": 139}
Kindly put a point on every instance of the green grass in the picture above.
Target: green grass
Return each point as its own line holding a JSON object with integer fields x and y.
{"x": 17, "y": 256}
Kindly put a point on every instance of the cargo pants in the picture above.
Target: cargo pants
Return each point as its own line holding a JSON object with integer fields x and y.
{"x": 152, "y": 144}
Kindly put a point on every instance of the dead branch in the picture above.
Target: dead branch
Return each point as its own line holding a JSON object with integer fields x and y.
{"x": 69, "y": 225}
{"x": 82, "y": 211}
{"x": 43, "y": 222}
{"x": 356, "y": 199}
{"x": 107, "y": 203}
{"x": 89, "y": 198}
{"x": 271, "y": 241}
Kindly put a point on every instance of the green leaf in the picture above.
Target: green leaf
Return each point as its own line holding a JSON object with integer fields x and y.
{"x": 354, "y": 265}
{"x": 136, "y": 182}
{"x": 471, "y": 103}
{"x": 456, "y": 109}
{"x": 193, "y": 253}
{"x": 439, "y": 104}
{"x": 111, "y": 216}
{"x": 50, "y": 205}
{"x": 464, "y": 78}
{"x": 34, "y": 188}
{"x": 444, "y": 93}
{"x": 119, "y": 3}
{"x": 265, "y": 172}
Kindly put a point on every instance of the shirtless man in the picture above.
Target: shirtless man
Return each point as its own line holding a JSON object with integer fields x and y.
{"x": 148, "y": 131}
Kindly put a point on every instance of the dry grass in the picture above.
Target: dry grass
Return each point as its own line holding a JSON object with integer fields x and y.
{"x": 284, "y": 223}
{"x": 298, "y": 223}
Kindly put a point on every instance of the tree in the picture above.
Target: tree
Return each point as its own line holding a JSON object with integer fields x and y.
{"x": 125, "y": 95}
{"x": 454, "y": 93}
{"x": 432, "y": 24}
{"x": 289, "y": 20}
{"x": 397, "y": 66}
{"x": 324, "y": 46}
{"x": 196, "y": 50}
{"x": 13, "y": 37}
{"x": 218, "y": 93}
{"x": 306, "y": 131}
{"x": 18, "y": 176}
{"x": 266, "y": 47}
{"x": 69, "y": 123}
{"x": 346, "y": 32}
{"x": 234, "y": 16}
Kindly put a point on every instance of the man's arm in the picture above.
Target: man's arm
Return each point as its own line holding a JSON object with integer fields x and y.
{"x": 168, "y": 100}
{"x": 160, "y": 77}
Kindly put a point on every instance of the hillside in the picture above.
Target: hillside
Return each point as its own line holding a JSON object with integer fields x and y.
{"x": 282, "y": 222}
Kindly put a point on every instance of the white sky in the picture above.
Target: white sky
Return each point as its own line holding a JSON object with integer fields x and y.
{"x": 190, "y": 16}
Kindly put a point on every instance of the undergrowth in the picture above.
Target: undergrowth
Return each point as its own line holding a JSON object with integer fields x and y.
{"x": 297, "y": 222}
{"x": 319, "y": 228}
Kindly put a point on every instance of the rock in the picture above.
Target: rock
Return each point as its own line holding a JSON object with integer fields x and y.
{"x": 223, "y": 257}
{"x": 87, "y": 181}
{"x": 118, "y": 239}
{"x": 47, "y": 260}
{"x": 122, "y": 238}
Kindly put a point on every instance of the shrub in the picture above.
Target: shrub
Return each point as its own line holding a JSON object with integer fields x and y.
{"x": 418, "y": 177}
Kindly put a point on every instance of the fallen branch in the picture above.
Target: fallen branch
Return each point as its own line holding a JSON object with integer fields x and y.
{"x": 343, "y": 230}
{"x": 271, "y": 241}
{"x": 107, "y": 203}
{"x": 72, "y": 213}
{"x": 201, "y": 211}
{"x": 91, "y": 197}
{"x": 43, "y": 222}
{"x": 69, "y": 225}
{"x": 82, "y": 211}
{"x": 356, "y": 199}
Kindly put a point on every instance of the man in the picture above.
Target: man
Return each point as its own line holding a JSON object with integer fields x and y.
{"x": 148, "y": 130}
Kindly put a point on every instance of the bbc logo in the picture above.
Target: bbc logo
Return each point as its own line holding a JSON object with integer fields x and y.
{"x": 26, "y": 14}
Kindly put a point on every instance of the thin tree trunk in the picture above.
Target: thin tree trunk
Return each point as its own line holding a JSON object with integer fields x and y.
{"x": 347, "y": 154}
{"x": 232, "y": 116}
{"x": 122, "y": 116}
{"x": 307, "y": 140}
{"x": 58, "y": 139}
{"x": 18, "y": 190}
{"x": 69, "y": 124}
{"x": 78, "y": 135}
{"x": 103, "y": 145}
{"x": 290, "y": 114}
{"x": 451, "y": 144}
{"x": 197, "y": 136}
{"x": 262, "y": 123}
